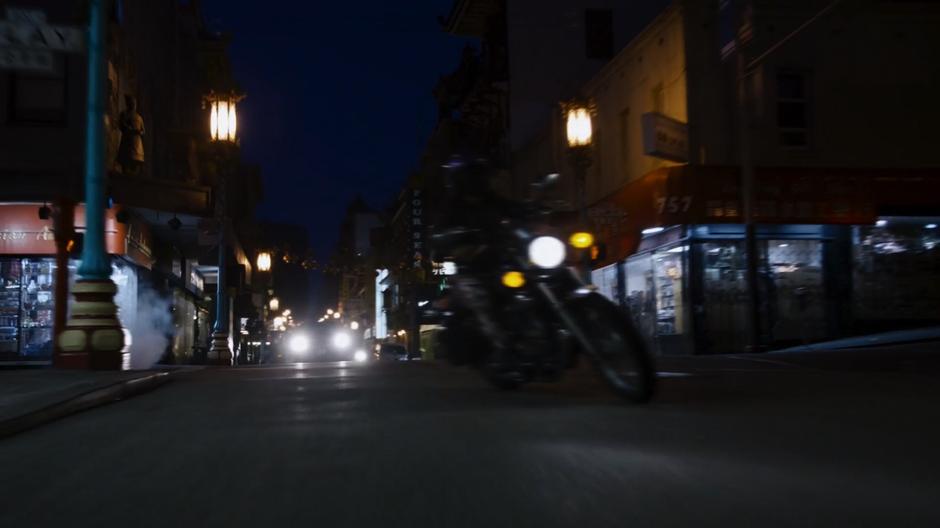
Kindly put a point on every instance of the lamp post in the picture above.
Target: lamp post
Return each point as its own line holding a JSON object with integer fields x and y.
{"x": 223, "y": 126}
{"x": 579, "y": 132}
{"x": 93, "y": 337}
{"x": 263, "y": 264}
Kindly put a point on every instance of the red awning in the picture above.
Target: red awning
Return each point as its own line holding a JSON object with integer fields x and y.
{"x": 22, "y": 232}
{"x": 688, "y": 194}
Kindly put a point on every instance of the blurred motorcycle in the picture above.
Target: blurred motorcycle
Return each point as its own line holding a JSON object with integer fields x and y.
{"x": 516, "y": 310}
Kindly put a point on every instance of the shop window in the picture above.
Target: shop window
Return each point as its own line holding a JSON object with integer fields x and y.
{"x": 11, "y": 273}
{"x": 669, "y": 274}
{"x": 39, "y": 97}
{"x": 599, "y": 33}
{"x": 605, "y": 279}
{"x": 896, "y": 279}
{"x": 640, "y": 294}
{"x": 27, "y": 308}
{"x": 792, "y": 110}
{"x": 724, "y": 283}
{"x": 792, "y": 291}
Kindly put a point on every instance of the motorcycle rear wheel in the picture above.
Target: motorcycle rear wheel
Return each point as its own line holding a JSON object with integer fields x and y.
{"x": 616, "y": 348}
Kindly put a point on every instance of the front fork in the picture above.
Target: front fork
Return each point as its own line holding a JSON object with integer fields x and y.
{"x": 566, "y": 320}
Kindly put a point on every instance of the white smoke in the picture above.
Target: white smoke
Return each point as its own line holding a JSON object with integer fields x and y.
{"x": 151, "y": 328}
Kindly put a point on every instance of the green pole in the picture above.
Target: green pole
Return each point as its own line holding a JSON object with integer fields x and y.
{"x": 93, "y": 337}
{"x": 95, "y": 263}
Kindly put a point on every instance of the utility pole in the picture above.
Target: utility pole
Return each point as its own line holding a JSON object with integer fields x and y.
{"x": 745, "y": 70}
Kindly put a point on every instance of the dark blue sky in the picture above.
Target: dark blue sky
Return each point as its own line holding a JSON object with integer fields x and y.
{"x": 339, "y": 99}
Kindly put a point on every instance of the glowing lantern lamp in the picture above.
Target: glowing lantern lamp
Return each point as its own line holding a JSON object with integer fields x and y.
{"x": 264, "y": 261}
{"x": 578, "y": 126}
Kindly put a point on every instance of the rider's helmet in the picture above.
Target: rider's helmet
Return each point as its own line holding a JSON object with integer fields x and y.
{"x": 469, "y": 178}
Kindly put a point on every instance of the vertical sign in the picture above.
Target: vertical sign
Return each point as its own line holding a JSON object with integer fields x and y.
{"x": 417, "y": 229}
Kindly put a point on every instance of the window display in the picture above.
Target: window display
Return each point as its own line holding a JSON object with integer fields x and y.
{"x": 27, "y": 308}
{"x": 669, "y": 273}
{"x": 10, "y": 283}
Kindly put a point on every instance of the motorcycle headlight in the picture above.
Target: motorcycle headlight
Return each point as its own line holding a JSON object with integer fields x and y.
{"x": 547, "y": 252}
{"x": 341, "y": 340}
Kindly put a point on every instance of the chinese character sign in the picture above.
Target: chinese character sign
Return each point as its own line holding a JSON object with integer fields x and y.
{"x": 418, "y": 245}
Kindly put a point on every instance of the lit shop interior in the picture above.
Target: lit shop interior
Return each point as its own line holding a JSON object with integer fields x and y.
{"x": 687, "y": 285}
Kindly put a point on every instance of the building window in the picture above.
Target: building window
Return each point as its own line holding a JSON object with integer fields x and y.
{"x": 792, "y": 119}
{"x": 658, "y": 98}
{"x": 599, "y": 33}
{"x": 625, "y": 141}
{"x": 39, "y": 97}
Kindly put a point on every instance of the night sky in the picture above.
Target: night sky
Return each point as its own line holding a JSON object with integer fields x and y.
{"x": 339, "y": 99}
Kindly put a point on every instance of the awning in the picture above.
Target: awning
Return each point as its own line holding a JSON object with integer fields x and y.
{"x": 22, "y": 232}
{"x": 696, "y": 194}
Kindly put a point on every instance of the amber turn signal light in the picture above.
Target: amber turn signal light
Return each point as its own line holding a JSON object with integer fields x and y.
{"x": 513, "y": 279}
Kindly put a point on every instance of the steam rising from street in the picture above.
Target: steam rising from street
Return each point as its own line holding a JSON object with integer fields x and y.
{"x": 150, "y": 329}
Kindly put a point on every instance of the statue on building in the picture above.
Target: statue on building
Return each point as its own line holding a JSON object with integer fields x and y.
{"x": 131, "y": 151}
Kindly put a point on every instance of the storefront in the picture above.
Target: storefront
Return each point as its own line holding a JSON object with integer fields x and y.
{"x": 28, "y": 277}
{"x": 830, "y": 264}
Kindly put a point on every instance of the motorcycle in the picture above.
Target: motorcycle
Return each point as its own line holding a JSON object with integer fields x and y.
{"x": 544, "y": 313}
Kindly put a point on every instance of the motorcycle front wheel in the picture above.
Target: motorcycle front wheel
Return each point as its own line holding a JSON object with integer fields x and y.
{"x": 615, "y": 347}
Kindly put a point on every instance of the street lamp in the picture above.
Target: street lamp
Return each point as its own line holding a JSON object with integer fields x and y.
{"x": 336, "y": 315}
{"x": 223, "y": 128}
{"x": 264, "y": 261}
{"x": 579, "y": 132}
{"x": 93, "y": 337}
{"x": 274, "y": 304}
{"x": 223, "y": 118}
{"x": 578, "y": 127}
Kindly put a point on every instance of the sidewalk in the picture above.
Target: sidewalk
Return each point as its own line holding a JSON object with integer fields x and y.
{"x": 32, "y": 397}
{"x": 914, "y": 357}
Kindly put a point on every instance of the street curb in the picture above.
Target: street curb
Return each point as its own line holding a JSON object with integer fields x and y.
{"x": 83, "y": 402}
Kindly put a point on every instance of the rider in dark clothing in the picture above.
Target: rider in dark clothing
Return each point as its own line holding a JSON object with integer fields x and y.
{"x": 473, "y": 207}
{"x": 467, "y": 233}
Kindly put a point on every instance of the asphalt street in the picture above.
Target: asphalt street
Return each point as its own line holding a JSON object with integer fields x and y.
{"x": 428, "y": 445}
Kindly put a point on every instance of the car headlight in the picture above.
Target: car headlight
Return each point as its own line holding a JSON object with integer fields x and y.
{"x": 547, "y": 252}
{"x": 299, "y": 343}
{"x": 360, "y": 356}
{"x": 341, "y": 340}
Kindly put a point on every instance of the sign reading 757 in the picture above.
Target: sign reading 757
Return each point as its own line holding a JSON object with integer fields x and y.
{"x": 673, "y": 204}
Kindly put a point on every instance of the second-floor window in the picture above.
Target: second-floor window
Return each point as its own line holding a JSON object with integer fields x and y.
{"x": 39, "y": 97}
{"x": 599, "y": 33}
{"x": 792, "y": 110}
{"x": 658, "y": 99}
{"x": 625, "y": 140}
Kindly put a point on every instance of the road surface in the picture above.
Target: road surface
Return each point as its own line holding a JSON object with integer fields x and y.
{"x": 429, "y": 445}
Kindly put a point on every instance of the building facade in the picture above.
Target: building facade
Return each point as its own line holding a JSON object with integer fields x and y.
{"x": 843, "y": 222}
{"x": 162, "y": 180}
